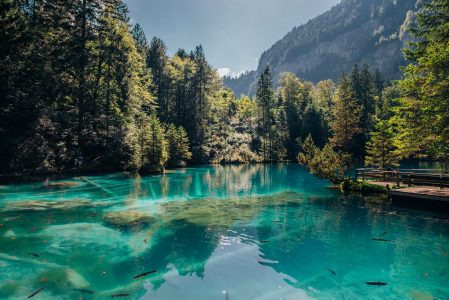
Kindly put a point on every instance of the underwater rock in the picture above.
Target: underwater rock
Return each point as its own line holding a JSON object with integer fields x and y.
{"x": 64, "y": 277}
{"x": 39, "y": 205}
{"x": 8, "y": 288}
{"x": 420, "y": 295}
{"x": 218, "y": 212}
{"x": 9, "y": 234}
{"x": 82, "y": 237}
{"x": 82, "y": 240}
{"x": 128, "y": 219}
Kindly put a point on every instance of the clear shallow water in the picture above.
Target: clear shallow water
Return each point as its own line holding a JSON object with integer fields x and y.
{"x": 241, "y": 232}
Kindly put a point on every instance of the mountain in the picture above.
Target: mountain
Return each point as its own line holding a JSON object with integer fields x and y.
{"x": 352, "y": 32}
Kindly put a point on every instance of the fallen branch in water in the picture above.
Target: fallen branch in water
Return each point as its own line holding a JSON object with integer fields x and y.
{"x": 377, "y": 283}
{"x": 144, "y": 274}
{"x": 35, "y": 293}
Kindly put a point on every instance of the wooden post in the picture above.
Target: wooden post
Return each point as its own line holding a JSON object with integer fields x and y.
{"x": 397, "y": 179}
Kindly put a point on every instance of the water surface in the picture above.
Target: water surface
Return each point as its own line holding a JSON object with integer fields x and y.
{"x": 233, "y": 232}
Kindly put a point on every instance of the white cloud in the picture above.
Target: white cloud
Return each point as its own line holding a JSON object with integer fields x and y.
{"x": 224, "y": 72}
{"x": 228, "y": 72}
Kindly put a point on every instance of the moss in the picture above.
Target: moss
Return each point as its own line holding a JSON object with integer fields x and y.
{"x": 128, "y": 219}
{"x": 216, "y": 212}
{"x": 363, "y": 187}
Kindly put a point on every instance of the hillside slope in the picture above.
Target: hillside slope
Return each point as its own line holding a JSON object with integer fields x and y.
{"x": 352, "y": 32}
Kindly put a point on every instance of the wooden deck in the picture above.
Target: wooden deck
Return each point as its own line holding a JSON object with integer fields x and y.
{"x": 423, "y": 189}
{"x": 423, "y": 192}
{"x": 426, "y": 198}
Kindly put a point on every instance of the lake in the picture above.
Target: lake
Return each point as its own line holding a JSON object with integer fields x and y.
{"x": 215, "y": 232}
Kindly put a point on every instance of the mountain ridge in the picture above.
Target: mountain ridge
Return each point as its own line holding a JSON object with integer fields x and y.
{"x": 352, "y": 32}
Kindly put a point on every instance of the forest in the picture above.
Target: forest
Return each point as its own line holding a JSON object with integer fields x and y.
{"x": 83, "y": 89}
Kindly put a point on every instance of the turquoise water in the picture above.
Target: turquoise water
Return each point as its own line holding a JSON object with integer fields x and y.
{"x": 222, "y": 232}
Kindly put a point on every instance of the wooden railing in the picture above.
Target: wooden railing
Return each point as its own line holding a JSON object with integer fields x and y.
{"x": 425, "y": 177}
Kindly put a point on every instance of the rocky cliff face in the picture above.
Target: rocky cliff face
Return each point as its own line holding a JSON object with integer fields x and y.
{"x": 352, "y": 32}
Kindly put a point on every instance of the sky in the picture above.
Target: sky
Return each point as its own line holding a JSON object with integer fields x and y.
{"x": 233, "y": 33}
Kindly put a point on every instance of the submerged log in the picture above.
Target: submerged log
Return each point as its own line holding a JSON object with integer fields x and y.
{"x": 332, "y": 271}
{"x": 84, "y": 291}
{"x": 144, "y": 274}
{"x": 35, "y": 293}
{"x": 120, "y": 295}
{"x": 377, "y": 283}
{"x": 382, "y": 240}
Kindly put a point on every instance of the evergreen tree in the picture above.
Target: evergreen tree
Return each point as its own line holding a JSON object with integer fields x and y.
{"x": 325, "y": 163}
{"x": 424, "y": 117}
{"x": 152, "y": 145}
{"x": 314, "y": 124}
{"x": 381, "y": 152}
{"x": 324, "y": 97}
{"x": 178, "y": 146}
{"x": 379, "y": 83}
{"x": 157, "y": 62}
{"x": 280, "y": 136}
{"x": 141, "y": 40}
{"x": 346, "y": 119}
{"x": 266, "y": 102}
{"x": 295, "y": 97}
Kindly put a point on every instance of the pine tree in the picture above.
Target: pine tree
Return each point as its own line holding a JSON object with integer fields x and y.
{"x": 141, "y": 40}
{"x": 381, "y": 152}
{"x": 314, "y": 124}
{"x": 325, "y": 163}
{"x": 324, "y": 97}
{"x": 157, "y": 62}
{"x": 178, "y": 146}
{"x": 152, "y": 145}
{"x": 424, "y": 117}
{"x": 266, "y": 103}
{"x": 279, "y": 136}
{"x": 346, "y": 120}
{"x": 295, "y": 97}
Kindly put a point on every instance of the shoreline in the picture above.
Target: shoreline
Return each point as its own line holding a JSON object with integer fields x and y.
{"x": 32, "y": 178}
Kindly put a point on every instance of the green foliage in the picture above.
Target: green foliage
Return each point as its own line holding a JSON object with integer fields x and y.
{"x": 295, "y": 96}
{"x": 363, "y": 187}
{"x": 387, "y": 102}
{"x": 324, "y": 97}
{"x": 324, "y": 163}
{"x": 178, "y": 146}
{"x": 346, "y": 119}
{"x": 381, "y": 151}
{"x": 79, "y": 83}
{"x": 152, "y": 146}
{"x": 266, "y": 101}
{"x": 423, "y": 118}
{"x": 315, "y": 124}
